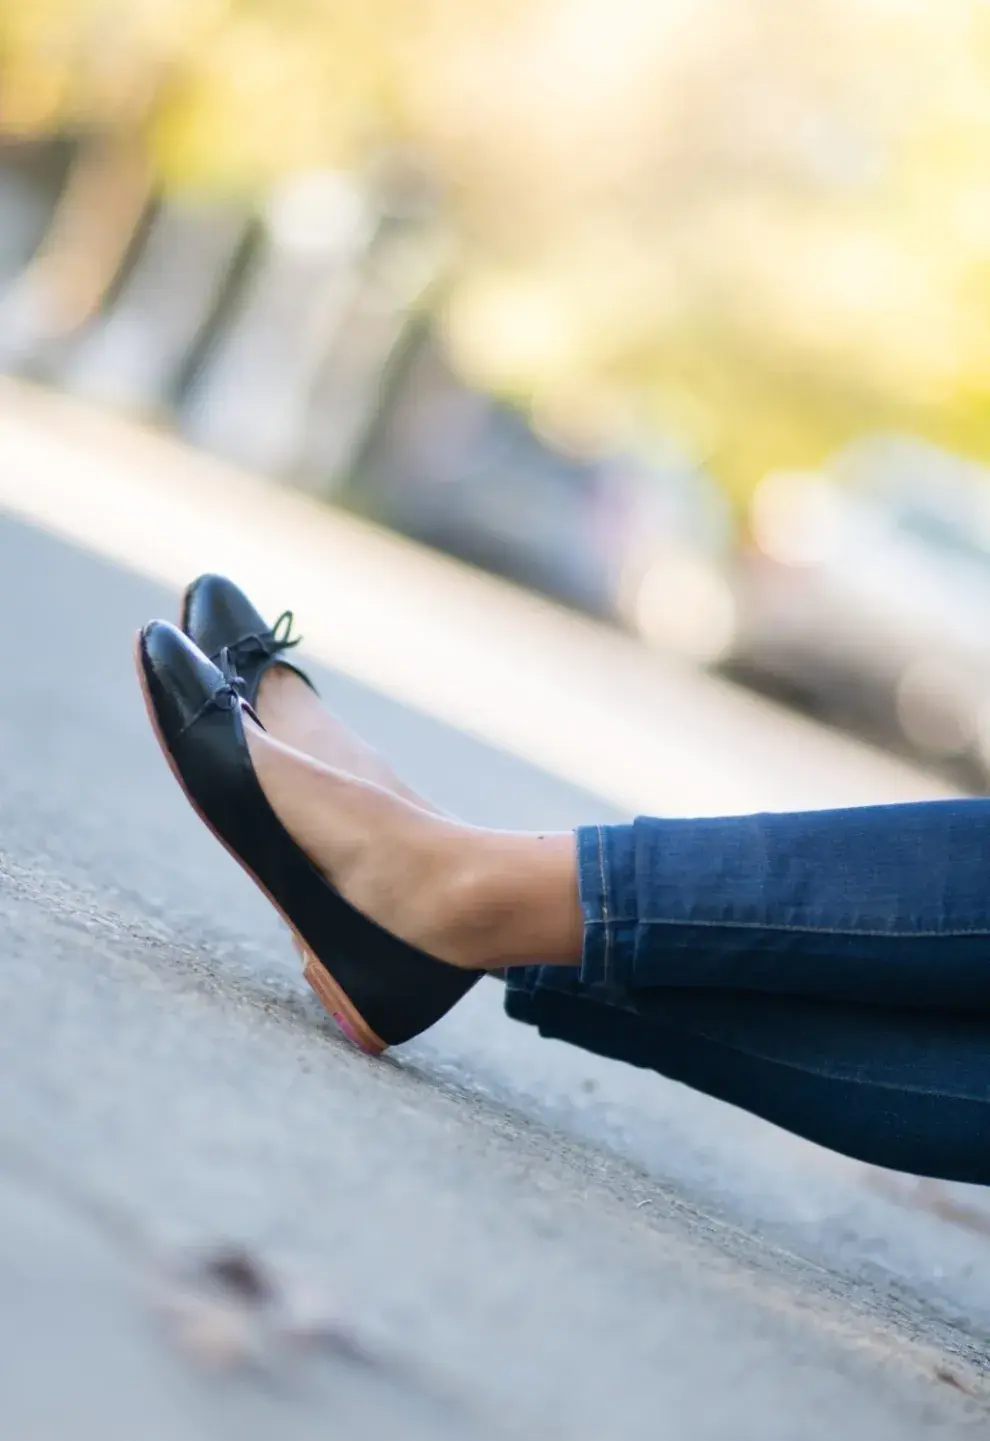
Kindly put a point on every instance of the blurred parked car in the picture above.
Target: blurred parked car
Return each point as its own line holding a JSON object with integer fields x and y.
{"x": 630, "y": 541}
{"x": 864, "y": 592}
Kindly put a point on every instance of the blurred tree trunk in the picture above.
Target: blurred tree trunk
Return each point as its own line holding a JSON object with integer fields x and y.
{"x": 105, "y": 196}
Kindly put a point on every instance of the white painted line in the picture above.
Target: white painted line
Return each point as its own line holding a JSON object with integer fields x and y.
{"x": 570, "y": 696}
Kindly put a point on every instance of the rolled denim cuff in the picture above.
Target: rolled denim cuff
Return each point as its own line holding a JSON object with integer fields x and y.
{"x": 607, "y": 892}
{"x": 606, "y": 859}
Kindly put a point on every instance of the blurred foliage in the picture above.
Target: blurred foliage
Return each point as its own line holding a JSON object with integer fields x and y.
{"x": 762, "y": 226}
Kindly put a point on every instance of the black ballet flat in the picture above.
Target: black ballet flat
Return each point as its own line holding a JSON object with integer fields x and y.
{"x": 378, "y": 989}
{"x": 218, "y": 616}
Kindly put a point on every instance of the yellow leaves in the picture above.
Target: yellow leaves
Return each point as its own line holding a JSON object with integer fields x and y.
{"x": 32, "y": 103}
{"x": 258, "y": 101}
{"x": 767, "y": 224}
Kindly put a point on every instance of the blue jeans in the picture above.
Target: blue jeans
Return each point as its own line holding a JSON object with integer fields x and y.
{"x": 827, "y": 970}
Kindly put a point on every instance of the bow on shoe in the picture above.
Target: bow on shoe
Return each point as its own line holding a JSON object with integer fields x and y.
{"x": 231, "y": 695}
{"x": 268, "y": 643}
{"x": 226, "y": 697}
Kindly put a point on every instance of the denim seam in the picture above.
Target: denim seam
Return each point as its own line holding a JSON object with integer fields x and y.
{"x": 900, "y": 1085}
{"x": 812, "y": 930}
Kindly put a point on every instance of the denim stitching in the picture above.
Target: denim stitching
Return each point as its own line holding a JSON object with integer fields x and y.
{"x": 605, "y": 915}
{"x": 815, "y": 930}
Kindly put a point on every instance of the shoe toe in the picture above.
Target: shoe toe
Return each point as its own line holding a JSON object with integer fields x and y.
{"x": 179, "y": 678}
{"x": 216, "y": 613}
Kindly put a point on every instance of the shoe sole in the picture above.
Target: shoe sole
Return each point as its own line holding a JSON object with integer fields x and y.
{"x": 336, "y": 1001}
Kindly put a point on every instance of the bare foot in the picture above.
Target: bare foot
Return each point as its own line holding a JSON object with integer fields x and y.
{"x": 474, "y": 898}
{"x": 294, "y": 714}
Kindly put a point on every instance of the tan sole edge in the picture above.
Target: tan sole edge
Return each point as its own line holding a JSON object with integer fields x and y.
{"x": 348, "y": 1018}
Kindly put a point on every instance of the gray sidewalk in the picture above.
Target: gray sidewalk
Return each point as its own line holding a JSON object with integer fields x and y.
{"x": 498, "y": 1237}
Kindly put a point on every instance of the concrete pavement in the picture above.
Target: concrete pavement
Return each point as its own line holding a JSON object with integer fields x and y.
{"x": 504, "y": 1238}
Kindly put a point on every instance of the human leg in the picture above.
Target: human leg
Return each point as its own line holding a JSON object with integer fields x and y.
{"x": 894, "y": 1087}
{"x": 827, "y": 971}
{"x": 883, "y": 904}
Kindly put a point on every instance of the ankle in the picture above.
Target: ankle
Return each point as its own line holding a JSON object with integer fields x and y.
{"x": 511, "y": 899}
{"x": 284, "y": 699}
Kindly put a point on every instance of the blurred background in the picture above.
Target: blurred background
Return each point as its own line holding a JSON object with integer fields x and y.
{"x": 674, "y": 310}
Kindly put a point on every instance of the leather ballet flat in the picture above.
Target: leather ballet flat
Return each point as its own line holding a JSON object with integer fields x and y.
{"x": 218, "y": 617}
{"x": 380, "y": 990}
